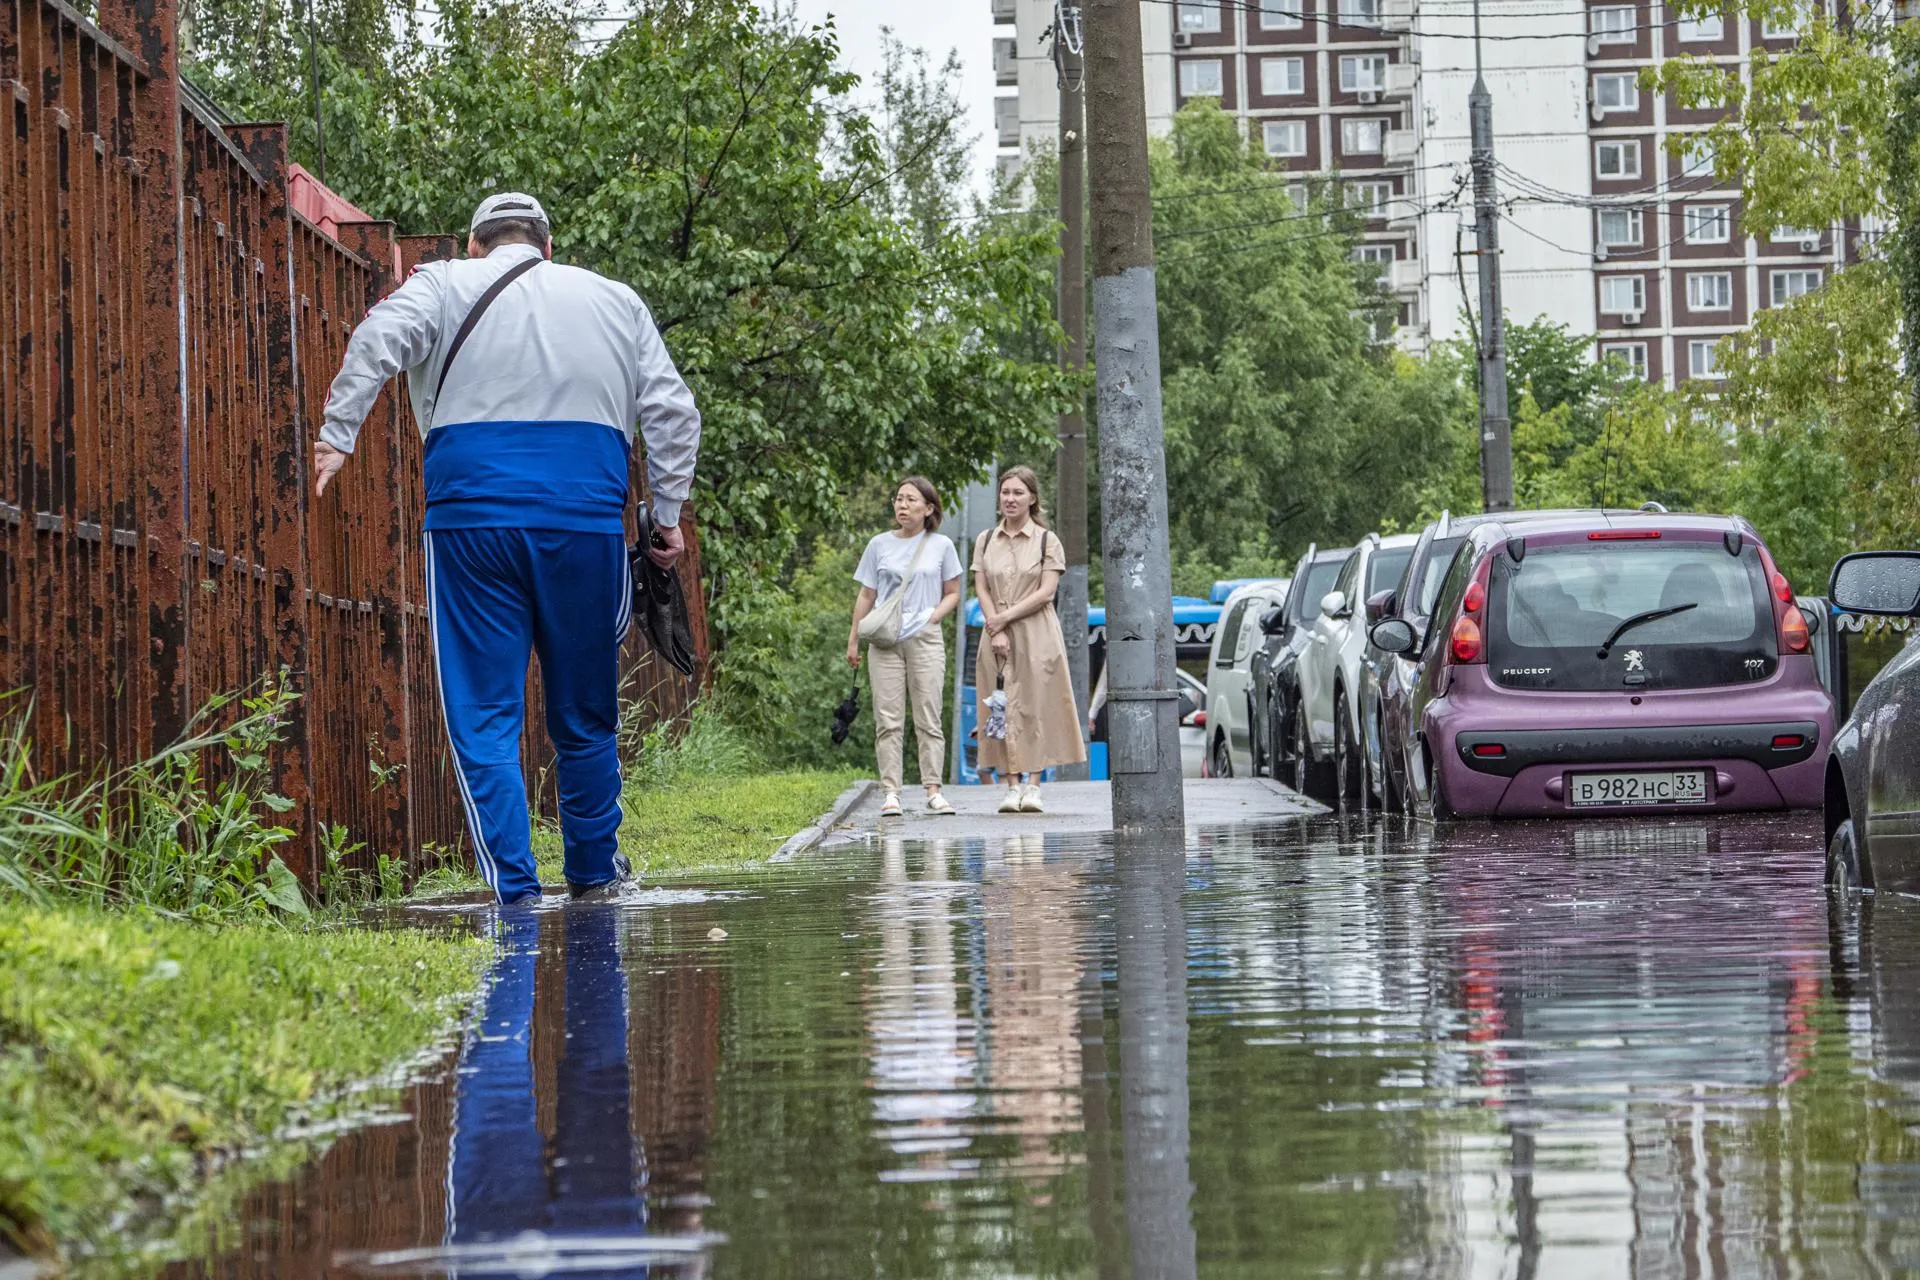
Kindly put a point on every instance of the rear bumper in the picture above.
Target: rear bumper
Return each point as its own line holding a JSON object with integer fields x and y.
{"x": 1632, "y": 745}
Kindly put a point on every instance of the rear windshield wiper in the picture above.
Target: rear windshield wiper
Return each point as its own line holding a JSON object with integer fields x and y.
{"x": 1638, "y": 618}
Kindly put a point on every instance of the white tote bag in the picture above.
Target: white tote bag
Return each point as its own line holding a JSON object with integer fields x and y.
{"x": 882, "y": 626}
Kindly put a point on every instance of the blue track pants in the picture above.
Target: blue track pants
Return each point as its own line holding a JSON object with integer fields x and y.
{"x": 495, "y": 596}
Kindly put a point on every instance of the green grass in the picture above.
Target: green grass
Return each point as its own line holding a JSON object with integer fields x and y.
{"x": 698, "y": 823}
{"x": 138, "y": 1053}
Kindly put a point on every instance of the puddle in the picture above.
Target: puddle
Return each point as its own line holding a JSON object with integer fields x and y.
{"x": 1527, "y": 1050}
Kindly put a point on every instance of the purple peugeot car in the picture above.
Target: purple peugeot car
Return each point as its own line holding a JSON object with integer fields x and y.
{"x": 1607, "y": 663}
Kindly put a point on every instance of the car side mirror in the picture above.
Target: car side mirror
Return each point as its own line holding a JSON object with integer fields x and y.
{"x": 1379, "y": 605}
{"x": 1332, "y": 603}
{"x": 1273, "y": 621}
{"x": 1197, "y": 720}
{"x": 1395, "y": 635}
{"x": 1878, "y": 582}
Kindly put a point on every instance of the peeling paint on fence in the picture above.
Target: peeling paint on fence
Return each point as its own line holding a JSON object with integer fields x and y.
{"x": 169, "y": 326}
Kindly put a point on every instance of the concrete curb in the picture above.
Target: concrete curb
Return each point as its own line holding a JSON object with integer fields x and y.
{"x": 802, "y": 842}
{"x": 1309, "y": 807}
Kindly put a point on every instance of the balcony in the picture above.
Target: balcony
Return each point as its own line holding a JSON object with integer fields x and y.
{"x": 1396, "y": 15}
{"x": 1402, "y": 146}
{"x": 1401, "y": 77}
{"x": 1406, "y": 276}
{"x": 1006, "y": 120}
{"x": 1006, "y": 70}
{"x": 1003, "y": 10}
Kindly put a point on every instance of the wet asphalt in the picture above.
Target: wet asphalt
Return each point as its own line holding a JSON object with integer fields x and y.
{"x": 1326, "y": 1046}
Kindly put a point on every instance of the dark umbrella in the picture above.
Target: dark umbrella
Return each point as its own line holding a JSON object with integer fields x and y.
{"x": 845, "y": 714}
{"x": 658, "y": 603}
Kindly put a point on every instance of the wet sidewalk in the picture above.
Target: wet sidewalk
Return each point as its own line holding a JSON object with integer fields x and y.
{"x": 1073, "y": 808}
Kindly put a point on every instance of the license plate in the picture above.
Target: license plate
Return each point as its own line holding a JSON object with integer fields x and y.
{"x": 1666, "y": 786}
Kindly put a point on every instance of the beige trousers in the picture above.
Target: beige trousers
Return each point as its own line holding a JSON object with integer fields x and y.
{"x": 917, "y": 669}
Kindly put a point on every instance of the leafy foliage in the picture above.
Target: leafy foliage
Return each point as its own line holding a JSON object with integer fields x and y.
{"x": 833, "y": 321}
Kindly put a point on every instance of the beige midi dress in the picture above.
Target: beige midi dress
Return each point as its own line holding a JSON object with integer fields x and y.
{"x": 1043, "y": 728}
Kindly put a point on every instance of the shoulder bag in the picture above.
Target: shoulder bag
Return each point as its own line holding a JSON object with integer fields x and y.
{"x": 882, "y": 626}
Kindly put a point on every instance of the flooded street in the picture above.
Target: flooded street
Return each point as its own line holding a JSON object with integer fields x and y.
{"x": 1555, "y": 1050}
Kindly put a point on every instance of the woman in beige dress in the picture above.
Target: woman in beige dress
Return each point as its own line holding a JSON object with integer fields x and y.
{"x": 1016, "y": 569}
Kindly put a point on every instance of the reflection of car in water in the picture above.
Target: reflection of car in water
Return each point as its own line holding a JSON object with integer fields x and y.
{"x": 1612, "y": 663}
{"x": 1193, "y": 620}
{"x": 1872, "y": 783}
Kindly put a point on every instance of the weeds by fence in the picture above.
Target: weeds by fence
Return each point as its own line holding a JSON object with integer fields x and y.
{"x": 169, "y": 326}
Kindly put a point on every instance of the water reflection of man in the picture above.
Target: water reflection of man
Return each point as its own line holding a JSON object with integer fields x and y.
{"x": 576, "y": 1173}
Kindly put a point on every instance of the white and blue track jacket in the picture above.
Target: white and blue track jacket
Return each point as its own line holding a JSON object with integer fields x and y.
{"x": 536, "y": 422}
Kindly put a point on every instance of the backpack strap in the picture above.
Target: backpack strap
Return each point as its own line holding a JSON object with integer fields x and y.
{"x": 494, "y": 290}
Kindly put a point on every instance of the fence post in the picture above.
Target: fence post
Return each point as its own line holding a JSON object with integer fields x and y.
{"x": 374, "y": 241}
{"x": 150, "y": 28}
{"x": 265, "y": 146}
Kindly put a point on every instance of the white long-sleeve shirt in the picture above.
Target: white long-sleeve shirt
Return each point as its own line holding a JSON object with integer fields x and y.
{"x": 537, "y": 417}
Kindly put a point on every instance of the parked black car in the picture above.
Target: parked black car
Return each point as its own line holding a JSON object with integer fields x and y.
{"x": 1275, "y": 671}
{"x": 1873, "y": 774}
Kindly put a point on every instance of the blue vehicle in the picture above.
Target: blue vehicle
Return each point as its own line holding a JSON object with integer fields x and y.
{"x": 1194, "y": 621}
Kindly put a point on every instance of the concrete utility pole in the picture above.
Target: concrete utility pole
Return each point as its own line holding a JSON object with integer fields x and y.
{"x": 1496, "y": 429}
{"x": 1143, "y": 720}
{"x": 1070, "y": 505}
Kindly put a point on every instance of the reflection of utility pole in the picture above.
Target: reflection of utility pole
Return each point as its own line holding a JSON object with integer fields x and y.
{"x": 1150, "y": 945}
{"x": 1496, "y": 430}
{"x": 1071, "y": 508}
{"x": 1143, "y": 718}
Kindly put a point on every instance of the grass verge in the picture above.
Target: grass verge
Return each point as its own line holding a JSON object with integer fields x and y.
{"x": 138, "y": 1054}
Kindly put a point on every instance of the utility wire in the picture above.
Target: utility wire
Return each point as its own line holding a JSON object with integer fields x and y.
{"x": 1302, "y": 16}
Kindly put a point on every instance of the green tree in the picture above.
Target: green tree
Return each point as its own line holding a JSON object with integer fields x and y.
{"x": 836, "y": 326}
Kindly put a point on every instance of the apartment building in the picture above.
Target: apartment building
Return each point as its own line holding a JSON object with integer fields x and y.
{"x": 1605, "y": 229}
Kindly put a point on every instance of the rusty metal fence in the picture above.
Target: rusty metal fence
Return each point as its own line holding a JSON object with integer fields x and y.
{"x": 169, "y": 327}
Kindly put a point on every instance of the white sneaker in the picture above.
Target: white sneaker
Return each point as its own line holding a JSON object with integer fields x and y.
{"x": 890, "y": 805}
{"x": 1010, "y": 803}
{"x": 1030, "y": 799}
{"x": 937, "y": 803}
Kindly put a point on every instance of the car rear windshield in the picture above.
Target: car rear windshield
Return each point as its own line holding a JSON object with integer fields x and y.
{"x": 1386, "y": 569}
{"x": 1550, "y": 617}
{"x": 1319, "y": 579}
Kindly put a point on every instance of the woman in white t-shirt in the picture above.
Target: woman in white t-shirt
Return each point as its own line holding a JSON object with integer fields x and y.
{"x": 914, "y": 560}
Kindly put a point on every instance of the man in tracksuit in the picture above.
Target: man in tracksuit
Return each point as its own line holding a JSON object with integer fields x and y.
{"x": 527, "y": 434}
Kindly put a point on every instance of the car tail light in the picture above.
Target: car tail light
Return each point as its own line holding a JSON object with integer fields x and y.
{"x": 1489, "y": 750}
{"x": 1791, "y": 626}
{"x": 1621, "y": 535}
{"x": 1787, "y": 741}
{"x": 1466, "y": 643}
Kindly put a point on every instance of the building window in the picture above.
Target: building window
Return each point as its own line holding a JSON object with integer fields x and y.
{"x": 1614, "y": 24}
{"x": 1617, "y": 160}
{"x": 1286, "y": 139}
{"x": 1620, "y": 227}
{"x": 1709, "y": 291}
{"x": 1782, "y": 25}
{"x": 1697, "y": 159}
{"x": 1362, "y": 137}
{"x": 1360, "y": 13}
{"x": 1363, "y": 73}
{"x": 1623, "y": 295}
{"x": 1281, "y": 77}
{"x": 1708, "y": 223}
{"x": 1201, "y": 78}
{"x": 1703, "y": 358}
{"x": 1281, "y": 15}
{"x": 1796, "y": 235}
{"x": 1203, "y": 15}
{"x": 1619, "y": 91}
{"x": 1698, "y": 30}
{"x": 1788, "y": 285}
{"x": 1631, "y": 355}
{"x": 1374, "y": 254}
{"x": 1371, "y": 197}
{"x": 1297, "y": 194}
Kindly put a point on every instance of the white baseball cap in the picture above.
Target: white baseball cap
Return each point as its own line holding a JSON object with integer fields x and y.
{"x": 508, "y": 204}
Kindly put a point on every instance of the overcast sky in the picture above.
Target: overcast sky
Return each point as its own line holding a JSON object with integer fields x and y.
{"x": 933, "y": 25}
